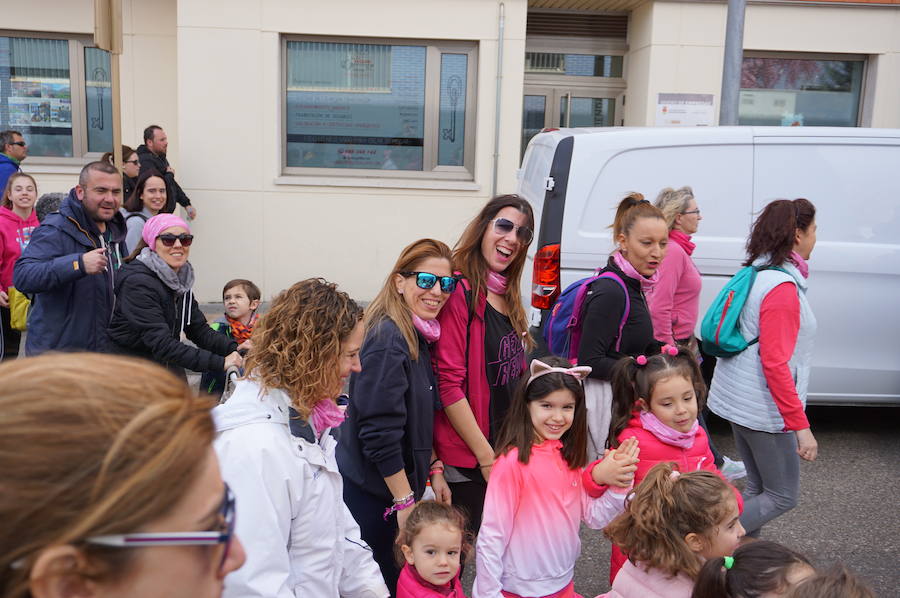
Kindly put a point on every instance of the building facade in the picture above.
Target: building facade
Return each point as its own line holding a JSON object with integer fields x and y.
{"x": 319, "y": 138}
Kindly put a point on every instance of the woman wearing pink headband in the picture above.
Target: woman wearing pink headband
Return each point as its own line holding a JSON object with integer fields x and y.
{"x": 155, "y": 304}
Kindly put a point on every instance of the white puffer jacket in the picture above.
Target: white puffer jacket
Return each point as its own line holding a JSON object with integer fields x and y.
{"x": 300, "y": 539}
{"x": 739, "y": 391}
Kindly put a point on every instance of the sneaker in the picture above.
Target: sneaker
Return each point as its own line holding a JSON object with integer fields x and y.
{"x": 733, "y": 470}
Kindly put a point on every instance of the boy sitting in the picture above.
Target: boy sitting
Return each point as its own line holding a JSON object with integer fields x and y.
{"x": 241, "y": 299}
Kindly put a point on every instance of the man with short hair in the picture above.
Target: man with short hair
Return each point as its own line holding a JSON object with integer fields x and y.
{"x": 152, "y": 155}
{"x": 13, "y": 150}
{"x": 69, "y": 265}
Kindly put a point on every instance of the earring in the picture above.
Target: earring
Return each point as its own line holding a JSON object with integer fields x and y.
{"x": 400, "y": 291}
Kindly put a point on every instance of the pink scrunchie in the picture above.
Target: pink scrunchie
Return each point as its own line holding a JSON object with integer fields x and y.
{"x": 154, "y": 226}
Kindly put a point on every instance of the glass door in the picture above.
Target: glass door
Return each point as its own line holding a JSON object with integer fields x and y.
{"x": 557, "y": 107}
{"x": 580, "y": 109}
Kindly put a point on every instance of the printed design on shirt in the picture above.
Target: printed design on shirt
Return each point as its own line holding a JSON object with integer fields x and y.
{"x": 23, "y": 236}
{"x": 510, "y": 362}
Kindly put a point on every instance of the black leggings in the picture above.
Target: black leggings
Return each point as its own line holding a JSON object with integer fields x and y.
{"x": 469, "y": 496}
{"x": 10, "y": 338}
{"x": 368, "y": 510}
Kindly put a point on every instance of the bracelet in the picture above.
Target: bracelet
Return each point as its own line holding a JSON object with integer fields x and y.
{"x": 435, "y": 471}
{"x": 403, "y": 503}
{"x": 435, "y": 461}
{"x": 480, "y": 466}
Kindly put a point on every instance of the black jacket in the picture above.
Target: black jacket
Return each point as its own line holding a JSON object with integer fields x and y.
{"x": 603, "y": 309}
{"x": 391, "y": 414}
{"x": 71, "y": 309}
{"x": 147, "y": 323}
{"x": 174, "y": 192}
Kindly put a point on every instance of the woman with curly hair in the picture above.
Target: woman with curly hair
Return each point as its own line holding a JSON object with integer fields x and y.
{"x": 277, "y": 451}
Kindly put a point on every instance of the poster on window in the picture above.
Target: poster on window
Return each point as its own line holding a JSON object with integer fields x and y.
{"x": 374, "y": 130}
{"x": 40, "y": 103}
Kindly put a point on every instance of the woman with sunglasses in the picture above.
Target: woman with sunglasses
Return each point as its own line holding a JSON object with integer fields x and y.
{"x": 146, "y": 200}
{"x": 481, "y": 353}
{"x": 277, "y": 442}
{"x": 93, "y": 463}
{"x": 385, "y": 454}
{"x": 131, "y": 166}
{"x": 155, "y": 304}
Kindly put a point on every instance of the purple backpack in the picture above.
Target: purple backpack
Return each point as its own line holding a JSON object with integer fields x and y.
{"x": 562, "y": 331}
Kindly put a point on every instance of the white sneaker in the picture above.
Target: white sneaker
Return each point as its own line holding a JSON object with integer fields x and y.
{"x": 733, "y": 470}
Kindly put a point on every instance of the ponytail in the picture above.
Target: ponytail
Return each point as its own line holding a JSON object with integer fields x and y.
{"x": 775, "y": 229}
{"x": 624, "y": 398}
{"x": 632, "y": 207}
{"x": 758, "y": 567}
{"x": 712, "y": 580}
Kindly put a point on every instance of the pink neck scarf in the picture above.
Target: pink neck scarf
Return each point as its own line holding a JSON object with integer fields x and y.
{"x": 801, "y": 263}
{"x": 326, "y": 414}
{"x": 496, "y": 282}
{"x": 666, "y": 434}
{"x": 429, "y": 329}
{"x": 683, "y": 240}
{"x": 647, "y": 283}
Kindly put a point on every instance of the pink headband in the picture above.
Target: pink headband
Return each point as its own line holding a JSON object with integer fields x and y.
{"x": 154, "y": 226}
{"x": 539, "y": 368}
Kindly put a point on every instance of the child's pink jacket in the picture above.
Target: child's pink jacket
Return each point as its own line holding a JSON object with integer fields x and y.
{"x": 528, "y": 542}
{"x": 636, "y": 582}
{"x": 410, "y": 586}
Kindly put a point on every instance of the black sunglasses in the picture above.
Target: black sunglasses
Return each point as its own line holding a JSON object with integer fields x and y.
{"x": 169, "y": 239}
{"x": 504, "y": 227}
{"x": 426, "y": 280}
{"x": 19, "y": 143}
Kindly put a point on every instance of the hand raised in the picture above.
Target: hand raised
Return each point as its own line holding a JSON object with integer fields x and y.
{"x": 95, "y": 261}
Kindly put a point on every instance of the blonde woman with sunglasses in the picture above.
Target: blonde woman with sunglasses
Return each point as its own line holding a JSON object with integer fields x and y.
{"x": 110, "y": 483}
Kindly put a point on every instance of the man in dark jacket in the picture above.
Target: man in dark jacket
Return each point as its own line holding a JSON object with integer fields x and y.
{"x": 13, "y": 150}
{"x": 69, "y": 265}
{"x": 153, "y": 157}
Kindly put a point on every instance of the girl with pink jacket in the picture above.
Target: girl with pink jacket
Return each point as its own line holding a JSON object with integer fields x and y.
{"x": 537, "y": 496}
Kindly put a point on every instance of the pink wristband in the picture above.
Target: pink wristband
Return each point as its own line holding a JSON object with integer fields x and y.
{"x": 399, "y": 506}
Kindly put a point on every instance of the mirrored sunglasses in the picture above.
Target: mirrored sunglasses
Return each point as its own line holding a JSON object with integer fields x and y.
{"x": 169, "y": 239}
{"x": 502, "y": 226}
{"x": 426, "y": 280}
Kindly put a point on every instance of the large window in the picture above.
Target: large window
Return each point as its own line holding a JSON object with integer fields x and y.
{"x": 358, "y": 106}
{"x": 56, "y": 92}
{"x": 796, "y": 91}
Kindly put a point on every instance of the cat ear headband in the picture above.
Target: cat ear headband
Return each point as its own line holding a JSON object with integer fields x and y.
{"x": 539, "y": 368}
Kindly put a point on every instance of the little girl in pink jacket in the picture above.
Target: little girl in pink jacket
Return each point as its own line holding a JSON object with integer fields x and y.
{"x": 673, "y": 523}
{"x": 433, "y": 543}
{"x": 536, "y": 496}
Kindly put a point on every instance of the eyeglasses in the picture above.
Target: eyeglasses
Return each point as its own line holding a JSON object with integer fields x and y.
{"x": 169, "y": 239}
{"x": 19, "y": 143}
{"x": 697, "y": 211}
{"x": 135, "y": 161}
{"x": 503, "y": 226}
{"x": 426, "y": 280}
{"x": 207, "y": 538}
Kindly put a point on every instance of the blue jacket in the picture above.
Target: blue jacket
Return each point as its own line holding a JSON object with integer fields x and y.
{"x": 7, "y": 167}
{"x": 390, "y": 419}
{"x": 71, "y": 309}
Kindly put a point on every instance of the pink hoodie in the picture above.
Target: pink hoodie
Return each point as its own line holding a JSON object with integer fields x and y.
{"x": 675, "y": 300}
{"x": 15, "y": 234}
{"x": 637, "y": 582}
{"x": 411, "y": 585}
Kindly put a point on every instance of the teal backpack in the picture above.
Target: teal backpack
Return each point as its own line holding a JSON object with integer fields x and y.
{"x": 720, "y": 330}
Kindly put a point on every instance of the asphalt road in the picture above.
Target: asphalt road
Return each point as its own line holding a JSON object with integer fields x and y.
{"x": 848, "y": 511}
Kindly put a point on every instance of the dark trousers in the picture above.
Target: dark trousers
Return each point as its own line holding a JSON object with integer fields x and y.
{"x": 11, "y": 338}
{"x": 380, "y": 535}
{"x": 469, "y": 496}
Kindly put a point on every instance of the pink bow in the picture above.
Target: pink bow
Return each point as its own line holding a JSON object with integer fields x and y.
{"x": 539, "y": 368}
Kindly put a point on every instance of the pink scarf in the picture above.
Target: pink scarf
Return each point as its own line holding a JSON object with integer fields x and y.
{"x": 429, "y": 329}
{"x": 647, "y": 283}
{"x": 683, "y": 240}
{"x": 666, "y": 434}
{"x": 496, "y": 282}
{"x": 801, "y": 263}
{"x": 326, "y": 414}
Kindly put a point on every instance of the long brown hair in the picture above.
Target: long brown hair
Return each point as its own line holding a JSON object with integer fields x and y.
{"x": 518, "y": 429}
{"x": 7, "y": 202}
{"x": 775, "y": 230}
{"x": 631, "y": 381}
{"x": 665, "y": 508}
{"x": 101, "y": 445}
{"x": 297, "y": 343}
{"x": 390, "y": 304}
{"x": 134, "y": 203}
{"x": 467, "y": 258}
{"x": 759, "y": 567}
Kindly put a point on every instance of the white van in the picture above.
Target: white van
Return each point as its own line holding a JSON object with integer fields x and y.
{"x": 574, "y": 179}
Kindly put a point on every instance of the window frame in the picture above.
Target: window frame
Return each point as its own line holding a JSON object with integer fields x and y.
{"x": 78, "y": 89}
{"x": 861, "y": 115}
{"x": 431, "y": 169}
